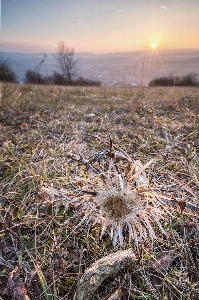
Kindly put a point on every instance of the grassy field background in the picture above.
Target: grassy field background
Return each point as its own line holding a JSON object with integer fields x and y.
{"x": 40, "y": 238}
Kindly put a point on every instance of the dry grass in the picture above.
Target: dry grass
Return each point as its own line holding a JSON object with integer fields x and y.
{"x": 41, "y": 233}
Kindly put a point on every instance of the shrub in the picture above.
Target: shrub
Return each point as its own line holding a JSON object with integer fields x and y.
{"x": 58, "y": 79}
{"x": 186, "y": 80}
{"x": 189, "y": 79}
{"x": 33, "y": 77}
{"x": 86, "y": 82}
{"x": 6, "y": 72}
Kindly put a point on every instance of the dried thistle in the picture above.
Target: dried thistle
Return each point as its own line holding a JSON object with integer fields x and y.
{"x": 115, "y": 194}
{"x": 118, "y": 204}
{"x": 118, "y": 209}
{"x": 121, "y": 199}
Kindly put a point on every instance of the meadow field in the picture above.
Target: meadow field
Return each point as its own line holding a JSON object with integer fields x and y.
{"x": 54, "y": 144}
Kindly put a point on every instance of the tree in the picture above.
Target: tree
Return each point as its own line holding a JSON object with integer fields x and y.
{"x": 6, "y": 72}
{"x": 66, "y": 61}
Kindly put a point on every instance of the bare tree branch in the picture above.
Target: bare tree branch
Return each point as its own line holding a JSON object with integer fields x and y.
{"x": 66, "y": 61}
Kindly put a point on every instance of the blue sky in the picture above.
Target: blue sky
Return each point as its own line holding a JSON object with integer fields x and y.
{"x": 98, "y": 26}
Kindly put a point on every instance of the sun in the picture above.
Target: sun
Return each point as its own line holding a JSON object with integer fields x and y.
{"x": 154, "y": 45}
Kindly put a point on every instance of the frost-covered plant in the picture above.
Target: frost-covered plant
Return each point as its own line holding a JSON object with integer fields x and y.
{"x": 120, "y": 209}
{"x": 115, "y": 195}
{"x": 112, "y": 190}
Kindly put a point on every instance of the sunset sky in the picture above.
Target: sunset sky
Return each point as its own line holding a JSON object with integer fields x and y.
{"x": 99, "y": 26}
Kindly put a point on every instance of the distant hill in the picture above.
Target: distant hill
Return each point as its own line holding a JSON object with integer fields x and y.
{"x": 123, "y": 68}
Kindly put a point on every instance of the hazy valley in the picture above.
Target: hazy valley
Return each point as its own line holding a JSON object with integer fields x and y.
{"x": 121, "y": 68}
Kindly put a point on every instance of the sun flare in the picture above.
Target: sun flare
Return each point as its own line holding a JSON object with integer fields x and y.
{"x": 154, "y": 45}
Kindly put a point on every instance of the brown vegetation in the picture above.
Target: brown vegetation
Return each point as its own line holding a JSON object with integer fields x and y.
{"x": 43, "y": 243}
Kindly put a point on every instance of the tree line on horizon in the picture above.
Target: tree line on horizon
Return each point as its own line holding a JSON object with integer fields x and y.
{"x": 66, "y": 61}
{"x": 68, "y": 64}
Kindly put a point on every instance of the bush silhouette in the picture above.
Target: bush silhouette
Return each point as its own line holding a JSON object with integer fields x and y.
{"x": 33, "y": 77}
{"x": 186, "y": 80}
{"x": 6, "y": 72}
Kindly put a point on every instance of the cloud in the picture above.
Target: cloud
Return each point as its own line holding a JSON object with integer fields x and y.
{"x": 163, "y": 7}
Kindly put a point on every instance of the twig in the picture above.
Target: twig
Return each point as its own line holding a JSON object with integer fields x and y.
{"x": 102, "y": 269}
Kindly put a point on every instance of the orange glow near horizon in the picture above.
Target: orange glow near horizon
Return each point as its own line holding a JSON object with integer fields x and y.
{"x": 99, "y": 26}
{"x": 156, "y": 42}
{"x": 49, "y": 46}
